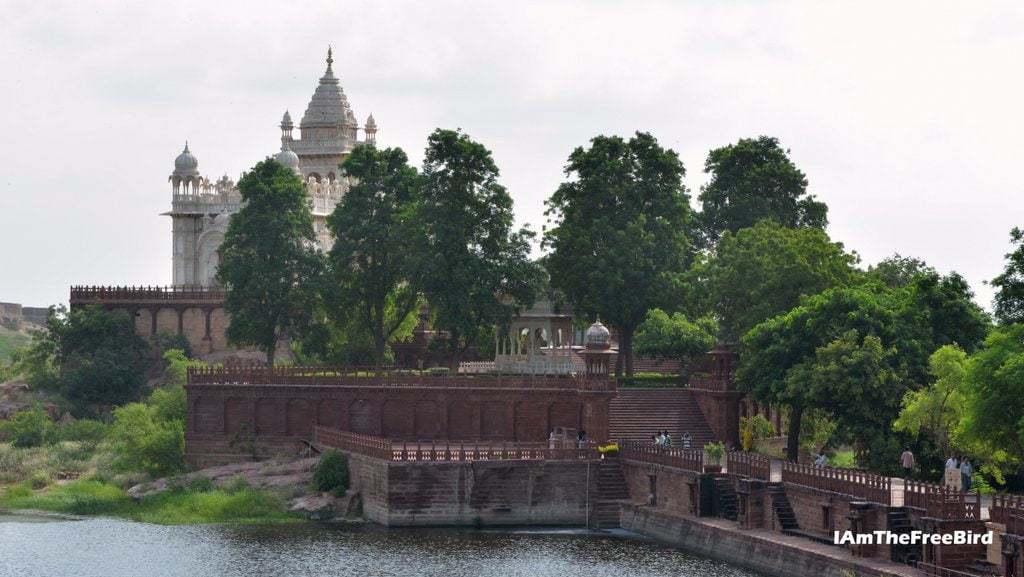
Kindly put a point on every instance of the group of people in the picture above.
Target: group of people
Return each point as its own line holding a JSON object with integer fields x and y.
{"x": 663, "y": 439}
{"x": 964, "y": 464}
{"x": 966, "y": 470}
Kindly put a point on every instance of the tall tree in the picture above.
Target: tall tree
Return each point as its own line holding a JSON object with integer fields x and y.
{"x": 97, "y": 351}
{"x": 785, "y": 359}
{"x": 755, "y": 180}
{"x": 620, "y": 238}
{"x": 759, "y": 272}
{"x": 373, "y": 243}
{"x": 1009, "y": 299}
{"x": 268, "y": 261}
{"x": 470, "y": 264}
{"x": 994, "y": 412}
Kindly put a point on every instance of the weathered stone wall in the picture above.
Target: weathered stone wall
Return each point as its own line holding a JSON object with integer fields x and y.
{"x": 11, "y": 314}
{"x": 819, "y": 512}
{"x": 722, "y": 411}
{"x": 743, "y": 548}
{"x": 521, "y": 492}
{"x": 278, "y": 416}
{"x": 674, "y": 489}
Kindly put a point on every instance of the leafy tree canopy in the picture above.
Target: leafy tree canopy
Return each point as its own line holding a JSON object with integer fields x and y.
{"x": 755, "y": 180}
{"x": 994, "y": 415}
{"x": 373, "y": 245}
{"x": 764, "y": 271}
{"x": 673, "y": 336}
{"x": 898, "y": 271}
{"x": 267, "y": 260}
{"x": 98, "y": 354}
{"x": 1009, "y": 300}
{"x": 621, "y": 232}
{"x": 471, "y": 265}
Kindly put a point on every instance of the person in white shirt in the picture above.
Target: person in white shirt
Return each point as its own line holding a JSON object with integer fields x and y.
{"x": 951, "y": 462}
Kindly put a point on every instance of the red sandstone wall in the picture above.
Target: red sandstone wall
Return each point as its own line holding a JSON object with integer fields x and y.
{"x": 809, "y": 505}
{"x": 279, "y": 415}
{"x": 673, "y": 485}
{"x": 483, "y": 492}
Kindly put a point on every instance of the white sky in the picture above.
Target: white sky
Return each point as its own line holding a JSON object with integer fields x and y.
{"x": 905, "y": 116}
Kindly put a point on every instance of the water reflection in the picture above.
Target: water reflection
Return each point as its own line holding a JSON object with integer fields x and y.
{"x": 115, "y": 548}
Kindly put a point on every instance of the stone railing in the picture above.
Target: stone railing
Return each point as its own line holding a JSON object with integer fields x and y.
{"x": 146, "y": 293}
{"x": 931, "y": 570}
{"x": 451, "y": 451}
{"x": 942, "y": 502}
{"x": 368, "y": 377}
{"x": 748, "y": 464}
{"x": 688, "y": 459}
{"x": 862, "y": 484}
{"x": 1007, "y": 507}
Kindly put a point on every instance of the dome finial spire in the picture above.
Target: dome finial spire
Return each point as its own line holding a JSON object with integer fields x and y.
{"x": 330, "y": 58}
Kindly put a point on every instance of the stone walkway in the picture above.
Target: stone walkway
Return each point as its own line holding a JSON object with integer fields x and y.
{"x": 878, "y": 566}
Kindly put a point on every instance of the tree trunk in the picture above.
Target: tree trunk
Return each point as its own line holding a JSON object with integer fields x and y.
{"x": 796, "y": 414}
{"x": 271, "y": 352}
{"x": 618, "y": 364}
{"x": 626, "y": 348}
{"x": 378, "y": 351}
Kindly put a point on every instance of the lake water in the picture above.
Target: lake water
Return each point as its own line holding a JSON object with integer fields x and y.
{"x": 42, "y": 546}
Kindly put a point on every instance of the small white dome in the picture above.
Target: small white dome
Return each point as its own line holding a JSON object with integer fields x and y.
{"x": 370, "y": 122}
{"x": 597, "y": 336}
{"x": 186, "y": 164}
{"x": 286, "y": 121}
{"x": 288, "y": 158}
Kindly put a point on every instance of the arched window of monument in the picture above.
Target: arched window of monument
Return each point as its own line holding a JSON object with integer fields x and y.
{"x": 331, "y": 177}
{"x": 315, "y": 175}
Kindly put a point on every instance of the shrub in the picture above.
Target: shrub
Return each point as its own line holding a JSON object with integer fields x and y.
{"x": 143, "y": 440}
{"x": 39, "y": 480}
{"x": 331, "y": 474}
{"x": 85, "y": 431}
{"x": 30, "y": 428}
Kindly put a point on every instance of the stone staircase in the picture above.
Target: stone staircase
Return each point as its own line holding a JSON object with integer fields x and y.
{"x": 899, "y": 523}
{"x": 727, "y": 502}
{"x": 611, "y": 488}
{"x": 783, "y": 510}
{"x": 636, "y": 414}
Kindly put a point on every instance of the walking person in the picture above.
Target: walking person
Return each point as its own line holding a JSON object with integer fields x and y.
{"x": 908, "y": 463}
{"x": 687, "y": 440}
{"x": 951, "y": 462}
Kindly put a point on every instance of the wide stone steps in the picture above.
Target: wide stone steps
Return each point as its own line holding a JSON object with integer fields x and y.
{"x": 728, "y": 503}
{"x": 637, "y": 414}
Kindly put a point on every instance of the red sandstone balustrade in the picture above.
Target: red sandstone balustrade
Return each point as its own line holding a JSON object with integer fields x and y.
{"x": 688, "y": 459}
{"x": 1006, "y": 507}
{"x": 366, "y": 376}
{"x": 861, "y": 484}
{"x": 942, "y": 502}
{"x": 381, "y": 448}
{"x": 748, "y": 464}
{"x": 149, "y": 293}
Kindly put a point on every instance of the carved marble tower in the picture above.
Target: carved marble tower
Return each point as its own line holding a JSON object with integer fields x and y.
{"x": 201, "y": 208}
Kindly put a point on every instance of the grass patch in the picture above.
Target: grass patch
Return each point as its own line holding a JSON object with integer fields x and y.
{"x": 180, "y": 507}
{"x": 843, "y": 459}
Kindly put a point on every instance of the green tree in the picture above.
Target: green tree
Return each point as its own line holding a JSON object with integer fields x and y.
{"x": 936, "y": 410}
{"x": 994, "y": 413}
{"x": 98, "y": 354}
{"x": 472, "y": 267}
{"x": 764, "y": 271}
{"x": 754, "y": 180}
{"x": 781, "y": 356}
{"x": 898, "y": 271}
{"x": 1009, "y": 300}
{"x": 674, "y": 336}
{"x": 267, "y": 260}
{"x": 620, "y": 235}
{"x": 373, "y": 245}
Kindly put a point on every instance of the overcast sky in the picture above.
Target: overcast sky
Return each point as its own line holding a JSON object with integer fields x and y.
{"x": 906, "y": 116}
